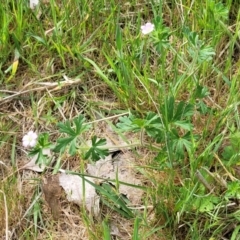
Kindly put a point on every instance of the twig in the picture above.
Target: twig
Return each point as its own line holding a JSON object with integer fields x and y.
{"x": 216, "y": 177}
{"x": 107, "y": 118}
{"x": 228, "y": 173}
{"x": 43, "y": 86}
{"x": 203, "y": 181}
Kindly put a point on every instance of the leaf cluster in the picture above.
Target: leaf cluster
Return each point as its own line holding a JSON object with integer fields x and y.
{"x": 96, "y": 152}
{"x": 73, "y": 131}
{"x": 197, "y": 49}
{"x": 172, "y": 127}
{"x": 43, "y": 143}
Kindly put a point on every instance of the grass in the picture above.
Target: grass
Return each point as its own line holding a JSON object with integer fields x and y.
{"x": 175, "y": 90}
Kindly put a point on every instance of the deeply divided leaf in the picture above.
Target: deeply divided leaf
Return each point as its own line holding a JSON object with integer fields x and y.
{"x": 73, "y": 132}
{"x": 96, "y": 151}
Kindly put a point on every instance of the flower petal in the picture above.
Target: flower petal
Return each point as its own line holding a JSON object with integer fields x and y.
{"x": 30, "y": 139}
{"x": 147, "y": 28}
{"x": 25, "y": 143}
{"x": 32, "y": 143}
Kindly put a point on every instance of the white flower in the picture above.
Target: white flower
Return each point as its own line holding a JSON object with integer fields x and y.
{"x": 33, "y": 3}
{"x": 147, "y": 28}
{"x": 30, "y": 139}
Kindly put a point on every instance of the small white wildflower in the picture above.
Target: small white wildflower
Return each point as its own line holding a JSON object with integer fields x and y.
{"x": 30, "y": 139}
{"x": 147, "y": 28}
{"x": 33, "y": 3}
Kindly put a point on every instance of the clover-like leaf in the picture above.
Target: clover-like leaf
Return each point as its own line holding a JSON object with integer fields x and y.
{"x": 201, "y": 92}
{"x": 181, "y": 143}
{"x": 184, "y": 125}
{"x": 39, "y": 149}
{"x": 175, "y": 112}
{"x": 151, "y": 123}
{"x": 96, "y": 151}
{"x": 183, "y": 110}
{"x": 73, "y": 132}
{"x": 206, "y": 204}
{"x": 128, "y": 123}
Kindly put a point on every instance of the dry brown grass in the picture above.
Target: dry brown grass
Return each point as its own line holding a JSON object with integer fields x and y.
{"x": 20, "y": 187}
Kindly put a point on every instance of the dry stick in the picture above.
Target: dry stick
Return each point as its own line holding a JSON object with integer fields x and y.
{"x": 107, "y": 118}
{"x": 228, "y": 173}
{"x": 6, "y": 213}
{"x": 217, "y": 178}
{"x": 203, "y": 181}
{"x": 44, "y": 86}
{"x": 141, "y": 207}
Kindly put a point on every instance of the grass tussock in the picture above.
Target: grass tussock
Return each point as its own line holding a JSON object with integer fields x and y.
{"x": 171, "y": 96}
